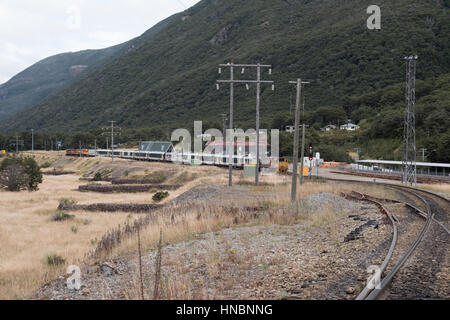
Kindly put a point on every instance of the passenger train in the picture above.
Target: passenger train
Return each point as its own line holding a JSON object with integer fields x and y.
{"x": 239, "y": 161}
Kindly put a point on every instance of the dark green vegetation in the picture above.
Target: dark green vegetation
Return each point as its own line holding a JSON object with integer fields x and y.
{"x": 380, "y": 114}
{"x": 160, "y": 196}
{"x": 47, "y": 77}
{"x": 20, "y": 173}
{"x": 62, "y": 216}
{"x": 54, "y": 260}
{"x": 168, "y": 80}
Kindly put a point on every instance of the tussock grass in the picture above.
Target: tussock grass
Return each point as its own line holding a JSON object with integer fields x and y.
{"x": 62, "y": 216}
{"x": 440, "y": 188}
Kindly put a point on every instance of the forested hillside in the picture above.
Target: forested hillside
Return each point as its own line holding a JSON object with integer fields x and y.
{"x": 49, "y": 76}
{"x": 380, "y": 114}
{"x": 169, "y": 80}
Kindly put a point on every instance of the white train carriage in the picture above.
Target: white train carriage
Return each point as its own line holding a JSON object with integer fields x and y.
{"x": 164, "y": 151}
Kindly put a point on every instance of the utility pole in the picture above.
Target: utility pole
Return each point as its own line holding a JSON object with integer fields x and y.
{"x": 113, "y": 133}
{"x": 303, "y": 141}
{"x": 303, "y": 154}
{"x": 32, "y": 139}
{"x": 231, "y": 146}
{"x": 299, "y": 84}
{"x": 16, "y": 142}
{"x": 311, "y": 157}
{"x": 258, "y": 83}
{"x": 409, "y": 130}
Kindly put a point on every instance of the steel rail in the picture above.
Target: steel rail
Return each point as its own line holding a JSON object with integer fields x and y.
{"x": 403, "y": 187}
{"x": 388, "y": 279}
{"x": 366, "y": 291}
{"x": 420, "y": 211}
{"x": 429, "y": 218}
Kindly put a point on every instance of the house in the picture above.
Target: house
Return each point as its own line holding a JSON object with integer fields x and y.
{"x": 329, "y": 127}
{"x": 350, "y": 127}
{"x": 291, "y": 129}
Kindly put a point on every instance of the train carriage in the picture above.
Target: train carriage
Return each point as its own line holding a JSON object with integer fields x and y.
{"x": 165, "y": 152}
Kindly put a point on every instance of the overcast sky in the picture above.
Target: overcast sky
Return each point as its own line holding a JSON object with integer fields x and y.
{"x": 31, "y": 30}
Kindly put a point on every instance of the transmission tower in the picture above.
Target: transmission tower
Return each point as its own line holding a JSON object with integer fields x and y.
{"x": 409, "y": 129}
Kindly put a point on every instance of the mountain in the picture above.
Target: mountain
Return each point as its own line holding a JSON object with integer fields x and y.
{"x": 169, "y": 79}
{"x": 49, "y": 76}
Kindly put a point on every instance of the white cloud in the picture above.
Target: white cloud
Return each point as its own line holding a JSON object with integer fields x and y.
{"x": 32, "y": 30}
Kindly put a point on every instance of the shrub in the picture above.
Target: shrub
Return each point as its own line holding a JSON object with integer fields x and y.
{"x": 62, "y": 216}
{"x": 66, "y": 201}
{"x": 159, "y": 196}
{"x": 19, "y": 173}
{"x": 55, "y": 260}
{"x": 98, "y": 176}
{"x": 33, "y": 171}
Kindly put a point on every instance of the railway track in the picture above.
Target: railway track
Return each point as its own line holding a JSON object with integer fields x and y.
{"x": 417, "y": 273}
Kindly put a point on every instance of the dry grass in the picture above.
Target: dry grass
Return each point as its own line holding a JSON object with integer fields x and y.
{"x": 443, "y": 189}
{"x": 28, "y": 235}
{"x": 184, "y": 222}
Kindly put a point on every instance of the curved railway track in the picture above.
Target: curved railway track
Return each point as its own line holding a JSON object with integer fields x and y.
{"x": 416, "y": 272}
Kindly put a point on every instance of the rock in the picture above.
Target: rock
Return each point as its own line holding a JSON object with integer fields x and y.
{"x": 108, "y": 268}
{"x": 86, "y": 291}
{"x": 350, "y": 290}
{"x": 92, "y": 270}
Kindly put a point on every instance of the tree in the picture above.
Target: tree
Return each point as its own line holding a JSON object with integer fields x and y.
{"x": 18, "y": 173}
{"x": 33, "y": 171}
